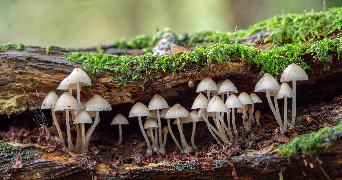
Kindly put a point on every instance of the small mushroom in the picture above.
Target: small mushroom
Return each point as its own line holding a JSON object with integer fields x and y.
{"x": 218, "y": 106}
{"x": 194, "y": 119}
{"x": 81, "y": 118}
{"x": 257, "y": 116}
{"x": 245, "y": 100}
{"x": 207, "y": 85}
{"x": 120, "y": 120}
{"x": 285, "y": 92}
{"x": 152, "y": 124}
{"x": 233, "y": 102}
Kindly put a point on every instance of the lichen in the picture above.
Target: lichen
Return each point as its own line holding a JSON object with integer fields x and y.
{"x": 310, "y": 144}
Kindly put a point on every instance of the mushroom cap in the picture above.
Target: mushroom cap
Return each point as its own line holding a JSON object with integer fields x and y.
{"x": 91, "y": 113}
{"x": 206, "y": 84}
{"x": 97, "y": 103}
{"x": 217, "y": 106}
{"x": 284, "y": 90}
{"x": 266, "y": 82}
{"x": 67, "y": 101}
{"x": 218, "y": 84}
{"x": 200, "y": 102}
{"x": 255, "y": 98}
{"x": 148, "y": 133}
{"x": 150, "y": 123}
{"x": 205, "y": 112}
{"x": 194, "y": 116}
{"x": 119, "y": 119}
{"x": 165, "y": 130}
{"x": 139, "y": 109}
{"x": 163, "y": 112}
{"x": 233, "y": 102}
{"x": 78, "y": 75}
{"x": 257, "y": 114}
{"x": 66, "y": 85}
{"x": 153, "y": 114}
{"x": 226, "y": 86}
{"x": 177, "y": 111}
{"x": 245, "y": 98}
{"x": 82, "y": 117}
{"x": 293, "y": 72}
{"x": 50, "y": 101}
{"x": 157, "y": 102}
{"x": 212, "y": 100}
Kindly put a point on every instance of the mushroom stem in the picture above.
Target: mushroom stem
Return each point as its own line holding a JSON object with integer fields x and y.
{"x": 222, "y": 97}
{"x": 56, "y": 124}
{"x": 160, "y": 129}
{"x": 233, "y": 122}
{"x": 78, "y": 145}
{"x": 90, "y": 131}
{"x": 208, "y": 95}
{"x": 223, "y": 134}
{"x": 186, "y": 146}
{"x": 193, "y": 135}
{"x": 211, "y": 129}
{"x": 230, "y": 134}
{"x": 70, "y": 144}
{"x": 149, "y": 148}
{"x": 285, "y": 113}
{"x": 244, "y": 116}
{"x": 224, "y": 129}
{"x": 78, "y": 92}
{"x": 276, "y": 105}
{"x": 154, "y": 140}
{"x": 293, "y": 104}
{"x": 276, "y": 115}
{"x": 173, "y": 136}
{"x": 120, "y": 134}
{"x": 163, "y": 145}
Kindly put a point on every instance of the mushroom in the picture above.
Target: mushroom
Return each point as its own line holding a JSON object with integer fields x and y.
{"x": 193, "y": 118}
{"x": 178, "y": 111}
{"x": 218, "y": 106}
{"x": 81, "y": 118}
{"x": 139, "y": 110}
{"x": 293, "y": 73}
{"x": 157, "y": 103}
{"x": 257, "y": 116}
{"x": 97, "y": 104}
{"x": 162, "y": 114}
{"x": 207, "y": 84}
{"x": 152, "y": 124}
{"x": 80, "y": 78}
{"x": 285, "y": 92}
{"x": 120, "y": 120}
{"x": 266, "y": 83}
{"x": 233, "y": 102}
{"x": 245, "y": 100}
{"x": 227, "y": 87}
{"x": 255, "y": 98}
{"x": 67, "y": 102}
{"x": 201, "y": 102}
{"x": 49, "y": 103}
{"x": 162, "y": 146}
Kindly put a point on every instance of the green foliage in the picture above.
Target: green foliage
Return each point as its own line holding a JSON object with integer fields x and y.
{"x": 20, "y": 46}
{"x": 6, "y": 148}
{"x": 47, "y": 49}
{"x": 311, "y": 143}
{"x": 5, "y": 47}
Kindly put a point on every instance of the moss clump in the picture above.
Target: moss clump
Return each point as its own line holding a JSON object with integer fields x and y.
{"x": 8, "y": 46}
{"x": 273, "y": 60}
{"x": 311, "y": 143}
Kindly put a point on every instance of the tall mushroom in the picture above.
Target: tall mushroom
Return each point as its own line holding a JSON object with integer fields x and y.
{"x": 266, "y": 83}
{"x": 178, "y": 111}
{"x": 81, "y": 118}
{"x": 207, "y": 85}
{"x": 119, "y": 119}
{"x": 293, "y": 73}
{"x": 218, "y": 106}
{"x": 233, "y": 102}
{"x": 162, "y": 115}
{"x": 49, "y": 103}
{"x": 80, "y": 78}
{"x": 157, "y": 103}
{"x": 245, "y": 99}
{"x": 67, "y": 102}
{"x": 139, "y": 110}
{"x": 227, "y": 87}
{"x": 255, "y": 98}
{"x": 285, "y": 92}
{"x": 97, "y": 104}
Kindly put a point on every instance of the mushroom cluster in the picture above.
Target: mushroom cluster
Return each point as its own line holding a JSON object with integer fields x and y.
{"x": 81, "y": 113}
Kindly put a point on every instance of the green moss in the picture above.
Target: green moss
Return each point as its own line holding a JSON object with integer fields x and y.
{"x": 311, "y": 143}
{"x": 47, "y": 49}
{"x": 273, "y": 60}
{"x": 20, "y": 46}
{"x": 5, "y": 47}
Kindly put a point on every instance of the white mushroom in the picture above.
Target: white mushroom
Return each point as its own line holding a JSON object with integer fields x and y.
{"x": 207, "y": 85}
{"x": 233, "y": 102}
{"x": 285, "y": 92}
{"x": 120, "y": 120}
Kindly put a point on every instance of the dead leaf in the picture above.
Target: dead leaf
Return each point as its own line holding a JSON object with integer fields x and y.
{"x": 283, "y": 139}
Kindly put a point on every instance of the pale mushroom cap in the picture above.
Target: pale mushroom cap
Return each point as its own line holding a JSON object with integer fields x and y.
{"x": 139, "y": 109}
{"x": 227, "y": 85}
{"x": 217, "y": 106}
{"x": 50, "y": 101}
{"x": 233, "y": 102}
{"x": 66, "y": 84}
{"x": 119, "y": 119}
{"x": 78, "y": 75}
{"x": 150, "y": 123}
{"x": 200, "y": 102}
{"x": 274, "y": 92}
{"x": 194, "y": 116}
{"x": 255, "y": 98}
{"x": 157, "y": 102}
{"x": 257, "y": 114}
{"x": 153, "y": 114}
{"x": 91, "y": 113}
{"x": 245, "y": 98}
{"x": 177, "y": 111}
{"x": 284, "y": 90}
{"x": 82, "y": 117}
{"x": 218, "y": 84}
{"x": 212, "y": 100}
{"x": 293, "y": 72}
{"x": 67, "y": 101}
{"x": 165, "y": 130}
{"x": 163, "y": 112}
{"x": 148, "y": 133}
{"x": 266, "y": 82}
{"x": 97, "y": 103}
{"x": 206, "y": 84}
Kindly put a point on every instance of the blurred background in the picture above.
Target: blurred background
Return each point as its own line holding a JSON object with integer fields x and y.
{"x": 89, "y": 23}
